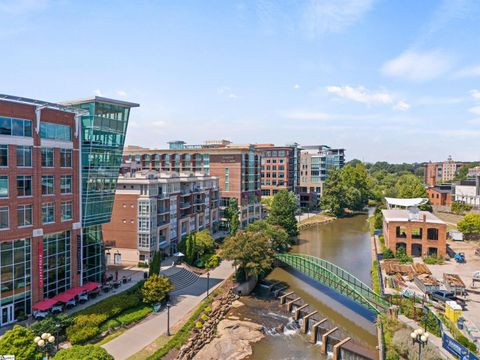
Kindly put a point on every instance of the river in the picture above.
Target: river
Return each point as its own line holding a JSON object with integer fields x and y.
{"x": 345, "y": 242}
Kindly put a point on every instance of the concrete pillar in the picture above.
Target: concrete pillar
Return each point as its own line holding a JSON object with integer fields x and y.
{"x": 297, "y": 311}
{"x": 284, "y": 297}
{"x": 290, "y": 303}
{"x": 315, "y": 326}
{"x": 325, "y": 339}
{"x": 337, "y": 347}
{"x": 305, "y": 321}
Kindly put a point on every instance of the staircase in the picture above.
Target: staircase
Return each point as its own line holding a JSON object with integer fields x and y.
{"x": 180, "y": 277}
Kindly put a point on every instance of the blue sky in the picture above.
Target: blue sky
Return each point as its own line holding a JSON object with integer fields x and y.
{"x": 387, "y": 80}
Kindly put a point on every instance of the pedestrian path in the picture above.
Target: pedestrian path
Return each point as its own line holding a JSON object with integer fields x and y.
{"x": 143, "y": 334}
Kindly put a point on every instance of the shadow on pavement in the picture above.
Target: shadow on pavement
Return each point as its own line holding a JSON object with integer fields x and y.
{"x": 198, "y": 288}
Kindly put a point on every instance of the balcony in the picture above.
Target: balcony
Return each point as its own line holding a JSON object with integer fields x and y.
{"x": 162, "y": 211}
{"x": 185, "y": 205}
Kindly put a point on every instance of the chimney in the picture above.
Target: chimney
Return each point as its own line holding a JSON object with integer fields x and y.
{"x": 424, "y": 217}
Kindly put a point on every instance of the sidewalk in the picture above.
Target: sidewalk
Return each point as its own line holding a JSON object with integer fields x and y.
{"x": 143, "y": 334}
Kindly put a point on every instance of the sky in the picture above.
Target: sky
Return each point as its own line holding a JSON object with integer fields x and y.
{"x": 388, "y": 80}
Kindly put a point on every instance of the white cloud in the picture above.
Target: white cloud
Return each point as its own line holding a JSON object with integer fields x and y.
{"x": 469, "y": 71}
{"x": 227, "y": 92}
{"x": 475, "y": 110}
{"x": 363, "y": 95}
{"x": 121, "y": 93}
{"x": 418, "y": 66}
{"x": 475, "y": 94}
{"x": 333, "y": 16}
{"x": 97, "y": 92}
{"x": 296, "y": 86}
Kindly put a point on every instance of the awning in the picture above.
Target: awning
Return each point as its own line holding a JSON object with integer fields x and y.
{"x": 406, "y": 203}
{"x": 44, "y": 304}
{"x": 68, "y": 295}
{"x": 90, "y": 286}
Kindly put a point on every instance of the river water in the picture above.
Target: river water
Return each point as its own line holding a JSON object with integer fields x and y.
{"x": 345, "y": 242}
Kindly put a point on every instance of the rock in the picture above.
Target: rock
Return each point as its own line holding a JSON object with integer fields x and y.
{"x": 234, "y": 318}
{"x": 279, "y": 329}
{"x": 236, "y": 304}
{"x": 233, "y": 341}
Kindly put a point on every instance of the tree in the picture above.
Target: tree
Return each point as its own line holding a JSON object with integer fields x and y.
{"x": 231, "y": 213}
{"x": 190, "y": 249}
{"x": 460, "y": 208}
{"x": 279, "y": 238}
{"x": 155, "y": 288}
{"x": 470, "y": 226}
{"x": 251, "y": 251}
{"x": 333, "y": 199}
{"x": 19, "y": 342}
{"x": 87, "y": 352}
{"x": 409, "y": 186}
{"x": 155, "y": 262}
{"x": 204, "y": 243}
{"x": 355, "y": 179}
{"x": 282, "y": 213}
{"x": 267, "y": 202}
{"x": 378, "y": 219}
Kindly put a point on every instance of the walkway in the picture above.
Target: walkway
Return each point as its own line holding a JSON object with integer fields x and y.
{"x": 143, "y": 334}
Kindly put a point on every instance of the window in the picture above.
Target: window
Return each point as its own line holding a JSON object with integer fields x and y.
{"x": 48, "y": 213}
{"x": 47, "y": 184}
{"x": 24, "y": 156}
{"x": 66, "y": 184}
{"x": 24, "y": 185}
{"x": 56, "y": 263}
{"x": 55, "y": 131}
{"x": 401, "y": 232}
{"x": 47, "y": 157}
{"x": 3, "y": 187}
{"x": 432, "y": 234}
{"x": 3, "y": 155}
{"x": 416, "y": 233}
{"x": 66, "y": 211}
{"x": 3, "y": 217}
{"x": 65, "y": 158}
{"x": 15, "y": 127}
{"x": 24, "y": 215}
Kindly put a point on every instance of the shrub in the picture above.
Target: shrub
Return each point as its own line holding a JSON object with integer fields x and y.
{"x": 143, "y": 265}
{"x": 433, "y": 260}
{"x": 460, "y": 208}
{"x": 133, "y": 315}
{"x": 198, "y": 325}
{"x": 204, "y": 317}
{"x": 208, "y": 261}
{"x": 88, "y": 352}
{"x": 80, "y": 334}
{"x": 402, "y": 256}
{"x": 19, "y": 342}
{"x": 208, "y": 309}
{"x": 388, "y": 254}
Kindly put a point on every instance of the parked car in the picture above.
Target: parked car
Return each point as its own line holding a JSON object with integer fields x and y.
{"x": 71, "y": 303}
{"x": 56, "y": 309}
{"x": 40, "y": 315}
{"x": 442, "y": 296}
{"x": 82, "y": 298}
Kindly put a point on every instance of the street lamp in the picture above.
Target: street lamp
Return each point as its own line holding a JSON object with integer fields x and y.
{"x": 420, "y": 337}
{"x": 43, "y": 343}
{"x": 168, "y": 319}
{"x": 208, "y": 282}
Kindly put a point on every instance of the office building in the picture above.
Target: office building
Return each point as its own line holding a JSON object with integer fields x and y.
{"x": 154, "y": 210}
{"x": 236, "y": 166}
{"x": 280, "y": 168}
{"x": 43, "y": 157}
{"x": 441, "y": 172}
{"x": 315, "y": 163}
{"x": 468, "y": 192}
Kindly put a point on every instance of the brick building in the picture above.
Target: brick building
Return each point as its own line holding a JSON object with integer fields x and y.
{"x": 440, "y": 172}
{"x": 440, "y": 195}
{"x": 236, "y": 166}
{"x": 280, "y": 168}
{"x": 154, "y": 210}
{"x": 420, "y": 233}
{"x": 47, "y": 242}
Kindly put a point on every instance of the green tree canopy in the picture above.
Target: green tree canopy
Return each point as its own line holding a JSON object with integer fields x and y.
{"x": 19, "y": 342}
{"x": 470, "y": 226}
{"x": 155, "y": 288}
{"x": 204, "y": 243}
{"x": 410, "y": 186}
{"x": 232, "y": 214}
{"x": 251, "y": 251}
{"x": 278, "y": 236}
{"x": 283, "y": 210}
{"x": 334, "y": 199}
{"x": 355, "y": 179}
{"x": 87, "y": 352}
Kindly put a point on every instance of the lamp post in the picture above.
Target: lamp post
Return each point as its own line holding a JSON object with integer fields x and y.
{"x": 43, "y": 342}
{"x": 168, "y": 319}
{"x": 208, "y": 283}
{"x": 57, "y": 330}
{"x": 421, "y": 338}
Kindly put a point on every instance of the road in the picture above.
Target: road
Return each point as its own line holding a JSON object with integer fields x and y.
{"x": 143, "y": 334}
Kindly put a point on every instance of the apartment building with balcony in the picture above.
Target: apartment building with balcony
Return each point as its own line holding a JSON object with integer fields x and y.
{"x": 236, "y": 166}
{"x": 315, "y": 163}
{"x": 154, "y": 210}
{"x": 440, "y": 172}
{"x": 280, "y": 167}
{"x": 419, "y": 233}
{"x": 47, "y": 169}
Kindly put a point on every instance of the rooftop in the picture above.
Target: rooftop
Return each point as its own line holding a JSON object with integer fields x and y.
{"x": 405, "y": 203}
{"x": 407, "y": 215}
{"x": 100, "y": 99}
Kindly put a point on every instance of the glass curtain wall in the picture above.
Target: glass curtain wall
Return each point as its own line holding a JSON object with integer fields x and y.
{"x": 56, "y": 263}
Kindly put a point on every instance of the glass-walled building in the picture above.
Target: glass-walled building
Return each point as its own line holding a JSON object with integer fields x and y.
{"x": 103, "y": 133}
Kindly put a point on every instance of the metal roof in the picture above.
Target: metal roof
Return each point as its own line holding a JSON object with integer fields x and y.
{"x": 100, "y": 99}
{"x": 34, "y": 102}
{"x": 406, "y": 203}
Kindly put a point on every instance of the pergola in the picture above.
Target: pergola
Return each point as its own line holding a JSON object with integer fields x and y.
{"x": 393, "y": 203}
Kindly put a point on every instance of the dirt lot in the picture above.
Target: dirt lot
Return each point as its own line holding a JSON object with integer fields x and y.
{"x": 465, "y": 271}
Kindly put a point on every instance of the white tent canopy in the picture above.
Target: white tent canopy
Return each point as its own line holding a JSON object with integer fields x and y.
{"x": 405, "y": 203}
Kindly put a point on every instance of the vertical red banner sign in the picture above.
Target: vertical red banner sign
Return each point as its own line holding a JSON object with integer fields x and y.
{"x": 40, "y": 264}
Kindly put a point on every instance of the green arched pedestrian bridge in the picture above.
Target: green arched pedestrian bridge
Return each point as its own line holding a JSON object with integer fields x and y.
{"x": 335, "y": 278}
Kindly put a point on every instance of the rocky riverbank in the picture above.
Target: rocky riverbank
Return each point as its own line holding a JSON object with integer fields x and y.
{"x": 315, "y": 220}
